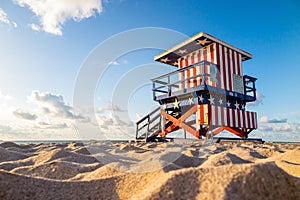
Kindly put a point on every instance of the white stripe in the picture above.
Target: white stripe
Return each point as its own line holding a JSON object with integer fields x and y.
{"x": 180, "y": 76}
{"x": 246, "y": 119}
{"x": 225, "y": 117}
{"x": 208, "y": 53}
{"x": 213, "y": 116}
{"x": 215, "y": 53}
{"x": 221, "y": 66}
{"x": 198, "y": 72}
{"x": 185, "y": 73}
{"x": 241, "y": 68}
{"x": 227, "y": 69}
{"x": 231, "y": 65}
{"x": 241, "y": 118}
{"x": 250, "y": 117}
{"x": 236, "y": 118}
{"x": 255, "y": 120}
{"x": 191, "y": 70}
{"x": 219, "y": 116}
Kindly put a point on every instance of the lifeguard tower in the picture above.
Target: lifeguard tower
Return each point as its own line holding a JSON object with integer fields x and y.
{"x": 205, "y": 95}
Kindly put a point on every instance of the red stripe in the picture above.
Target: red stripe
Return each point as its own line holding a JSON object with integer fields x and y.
{"x": 224, "y": 67}
{"x": 244, "y": 119}
{"x": 187, "y": 71}
{"x": 239, "y": 64}
{"x": 193, "y": 59}
{"x": 222, "y": 116}
{"x": 253, "y": 119}
{"x": 218, "y": 62}
{"x": 233, "y": 117}
{"x": 181, "y": 63}
{"x": 194, "y": 69}
{"x": 233, "y": 62}
{"x": 201, "y": 114}
{"x": 228, "y": 116}
{"x": 212, "y": 59}
{"x": 239, "y": 119}
{"x": 216, "y": 115}
{"x": 218, "y": 53}
{"x": 209, "y": 114}
{"x": 249, "y": 119}
{"x": 186, "y": 61}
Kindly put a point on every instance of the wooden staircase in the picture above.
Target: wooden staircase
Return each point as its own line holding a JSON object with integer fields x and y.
{"x": 148, "y": 128}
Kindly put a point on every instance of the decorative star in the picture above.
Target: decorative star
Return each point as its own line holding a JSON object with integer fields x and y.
{"x": 228, "y": 104}
{"x": 175, "y": 63}
{"x": 237, "y": 105}
{"x": 182, "y": 51}
{"x": 191, "y": 100}
{"x": 165, "y": 60}
{"x": 201, "y": 98}
{"x": 211, "y": 99}
{"x": 176, "y": 104}
{"x": 243, "y": 107}
{"x": 203, "y": 42}
{"x": 165, "y": 106}
{"x": 220, "y": 101}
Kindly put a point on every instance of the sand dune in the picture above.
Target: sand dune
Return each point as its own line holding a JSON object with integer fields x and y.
{"x": 190, "y": 170}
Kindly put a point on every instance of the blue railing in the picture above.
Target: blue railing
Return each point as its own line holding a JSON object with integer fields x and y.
{"x": 179, "y": 80}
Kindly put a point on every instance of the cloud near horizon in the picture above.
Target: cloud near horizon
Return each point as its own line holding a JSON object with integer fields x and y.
{"x": 53, "y": 14}
{"x": 265, "y": 119}
{"x": 53, "y": 104}
{"x": 19, "y": 113}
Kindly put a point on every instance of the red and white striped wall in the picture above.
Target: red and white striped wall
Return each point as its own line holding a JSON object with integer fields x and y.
{"x": 229, "y": 60}
{"x": 222, "y": 116}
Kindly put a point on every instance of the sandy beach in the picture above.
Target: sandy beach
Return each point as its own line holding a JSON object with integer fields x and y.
{"x": 190, "y": 170}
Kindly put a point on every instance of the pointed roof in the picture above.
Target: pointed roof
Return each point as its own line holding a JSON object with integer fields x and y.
{"x": 194, "y": 43}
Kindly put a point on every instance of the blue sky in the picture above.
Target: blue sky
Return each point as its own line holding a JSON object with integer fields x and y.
{"x": 43, "y": 45}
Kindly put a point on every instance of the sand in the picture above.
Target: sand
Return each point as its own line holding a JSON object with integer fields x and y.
{"x": 174, "y": 170}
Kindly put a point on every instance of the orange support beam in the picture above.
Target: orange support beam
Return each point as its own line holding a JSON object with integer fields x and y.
{"x": 180, "y": 122}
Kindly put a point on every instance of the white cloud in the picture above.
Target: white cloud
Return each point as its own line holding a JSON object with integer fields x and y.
{"x": 46, "y": 125}
{"x": 4, "y": 19}
{"x": 35, "y": 27}
{"x": 113, "y": 127}
{"x": 19, "y": 113}
{"x": 53, "y": 104}
{"x": 265, "y": 119}
{"x": 284, "y": 128}
{"x": 298, "y": 128}
{"x": 259, "y": 100}
{"x": 53, "y": 14}
{"x": 110, "y": 107}
{"x": 114, "y": 63}
{"x": 5, "y": 96}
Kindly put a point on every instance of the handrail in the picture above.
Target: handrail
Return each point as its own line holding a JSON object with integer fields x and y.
{"x": 181, "y": 70}
{"x": 150, "y": 119}
{"x": 151, "y": 113}
{"x": 166, "y": 84}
